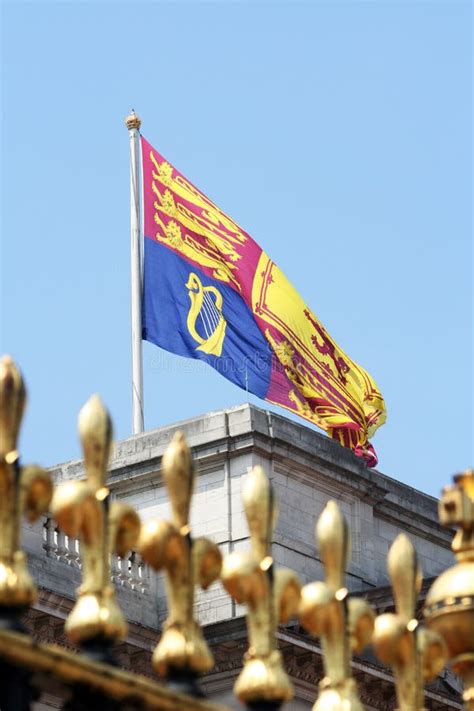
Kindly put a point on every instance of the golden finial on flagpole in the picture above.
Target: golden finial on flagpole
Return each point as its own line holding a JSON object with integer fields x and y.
{"x": 133, "y": 121}
{"x": 344, "y": 624}
{"x": 182, "y": 653}
{"x": 449, "y": 606}
{"x": 271, "y": 595}
{"x": 83, "y": 509}
{"x": 415, "y": 654}
{"x": 24, "y": 491}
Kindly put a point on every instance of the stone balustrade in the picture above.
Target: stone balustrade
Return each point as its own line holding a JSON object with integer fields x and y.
{"x": 128, "y": 572}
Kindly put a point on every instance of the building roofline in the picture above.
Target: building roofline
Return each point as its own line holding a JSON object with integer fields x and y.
{"x": 244, "y": 419}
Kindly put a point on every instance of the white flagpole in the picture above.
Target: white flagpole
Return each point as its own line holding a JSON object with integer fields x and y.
{"x": 133, "y": 124}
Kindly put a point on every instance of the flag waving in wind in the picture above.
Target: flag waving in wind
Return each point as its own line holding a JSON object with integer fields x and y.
{"x": 211, "y": 292}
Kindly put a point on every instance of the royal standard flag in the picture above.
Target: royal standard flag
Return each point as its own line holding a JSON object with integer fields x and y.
{"x": 210, "y": 292}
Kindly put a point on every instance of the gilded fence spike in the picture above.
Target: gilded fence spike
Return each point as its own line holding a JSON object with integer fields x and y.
{"x": 344, "y": 624}
{"x": 24, "y": 491}
{"x": 182, "y": 653}
{"x": 272, "y": 596}
{"x": 449, "y": 606}
{"x": 83, "y": 509}
{"x": 415, "y": 654}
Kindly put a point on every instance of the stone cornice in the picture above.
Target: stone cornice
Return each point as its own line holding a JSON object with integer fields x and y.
{"x": 228, "y": 640}
{"x": 303, "y": 662}
{"x": 417, "y": 524}
{"x": 367, "y": 674}
{"x": 306, "y": 455}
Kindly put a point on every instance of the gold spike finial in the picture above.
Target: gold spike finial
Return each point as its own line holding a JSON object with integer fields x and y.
{"x": 95, "y": 433}
{"x": 344, "y": 624}
{"x": 179, "y": 479}
{"x": 333, "y": 537}
{"x": 415, "y": 654}
{"x": 168, "y": 545}
{"x": 82, "y": 509}
{"x": 24, "y": 491}
{"x": 449, "y": 606}
{"x": 272, "y": 596}
{"x": 12, "y": 404}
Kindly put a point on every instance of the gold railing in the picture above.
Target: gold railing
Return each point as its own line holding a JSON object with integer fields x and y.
{"x": 104, "y": 539}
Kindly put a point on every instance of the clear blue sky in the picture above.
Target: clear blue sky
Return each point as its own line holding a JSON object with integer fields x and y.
{"x": 338, "y": 134}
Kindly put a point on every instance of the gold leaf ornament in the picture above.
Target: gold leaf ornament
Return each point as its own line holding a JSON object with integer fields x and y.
{"x": 414, "y": 654}
{"x": 25, "y": 491}
{"x": 344, "y": 624}
{"x": 169, "y": 546}
{"x": 271, "y": 595}
{"x": 83, "y": 509}
{"x": 449, "y": 605}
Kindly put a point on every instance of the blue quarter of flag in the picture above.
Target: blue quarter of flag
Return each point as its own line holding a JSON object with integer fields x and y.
{"x": 188, "y": 313}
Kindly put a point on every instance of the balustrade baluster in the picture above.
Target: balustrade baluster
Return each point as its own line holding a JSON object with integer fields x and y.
{"x": 123, "y": 574}
{"x": 76, "y": 556}
{"x": 134, "y": 579}
{"x": 143, "y": 574}
{"x": 115, "y": 569}
{"x": 61, "y": 548}
{"x": 48, "y": 538}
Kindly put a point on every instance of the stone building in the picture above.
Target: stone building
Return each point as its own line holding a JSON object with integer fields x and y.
{"x": 307, "y": 469}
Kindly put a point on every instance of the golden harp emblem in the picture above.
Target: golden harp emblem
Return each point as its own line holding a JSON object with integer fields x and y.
{"x": 205, "y": 311}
